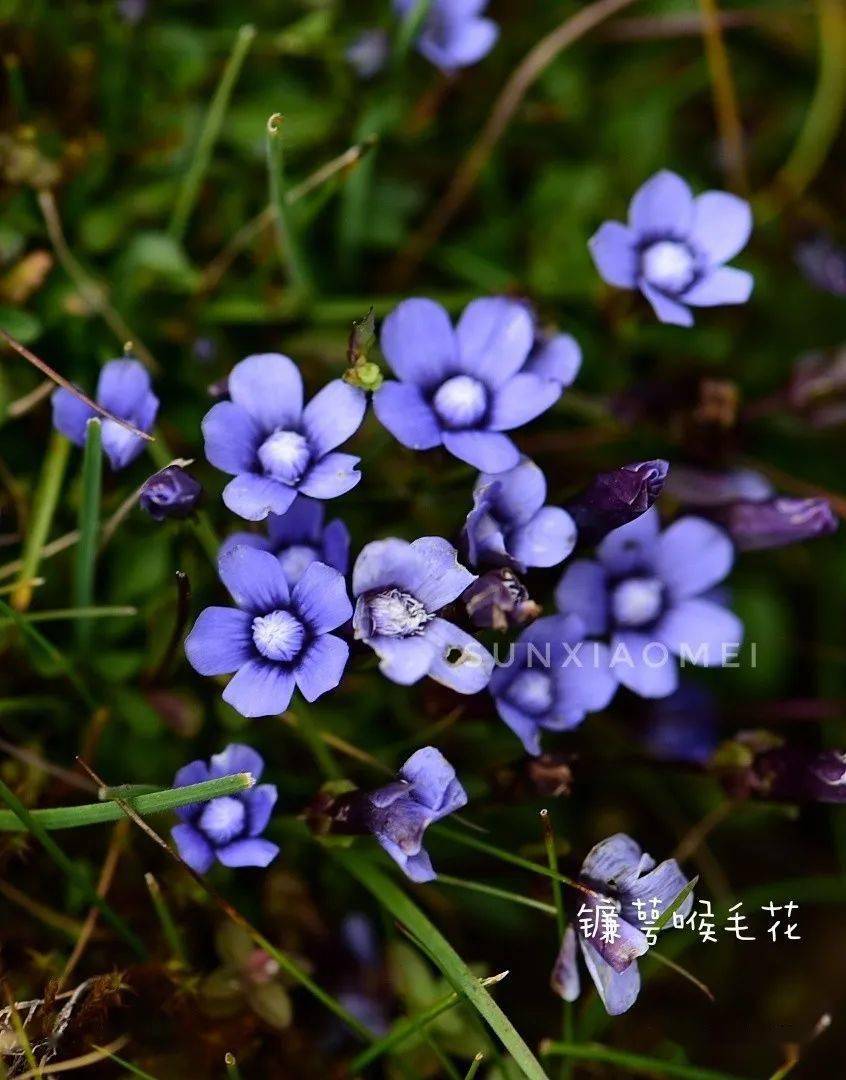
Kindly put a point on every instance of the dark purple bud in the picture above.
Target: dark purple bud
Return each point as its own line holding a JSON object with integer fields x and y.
{"x": 499, "y": 599}
{"x": 754, "y": 526}
{"x": 170, "y": 493}
{"x": 693, "y": 486}
{"x": 823, "y": 263}
{"x": 341, "y": 810}
{"x": 615, "y": 498}
{"x": 818, "y": 388}
{"x": 551, "y": 775}
{"x": 762, "y": 765}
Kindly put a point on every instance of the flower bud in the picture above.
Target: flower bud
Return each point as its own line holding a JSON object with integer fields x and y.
{"x": 615, "y": 498}
{"x": 170, "y": 493}
{"x": 754, "y": 526}
{"x": 759, "y": 764}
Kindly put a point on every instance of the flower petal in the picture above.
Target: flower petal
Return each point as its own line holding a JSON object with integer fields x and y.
{"x": 300, "y": 524}
{"x": 231, "y": 437}
{"x": 494, "y": 338}
{"x": 124, "y": 388}
{"x": 618, "y": 990}
{"x": 692, "y": 555}
{"x": 514, "y": 496}
{"x": 220, "y": 641}
{"x": 641, "y": 667}
{"x": 488, "y": 451}
{"x": 236, "y": 758}
{"x": 419, "y": 343}
{"x": 195, "y": 772}
{"x": 701, "y": 632}
{"x": 333, "y": 475}
{"x": 525, "y": 727}
{"x": 523, "y": 398}
{"x": 333, "y": 415}
{"x": 120, "y": 446}
{"x": 321, "y": 666}
{"x": 383, "y": 563}
{"x": 71, "y": 415}
{"x": 260, "y": 688}
{"x": 613, "y": 858}
{"x": 590, "y": 684}
{"x": 402, "y": 409}
{"x": 417, "y": 867}
{"x": 253, "y": 497}
{"x": 336, "y": 545}
{"x": 467, "y": 672}
{"x": 723, "y": 285}
{"x": 403, "y": 660}
{"x": 558, "y": 358}
{"x": 259, "y": 802}
{"x": 243, "y": 539}
{"x": 721, "y": 225}
{"x": 249, "y": 852}
{"x": 565, "y": 975}
{"x": 320, "y": 598}
{"x": 664, "y": 883}
{"x": 632, "y": 546}
{"x": 614, "y": 251}
{"x": 470, "y": 40}
{"x": 254, "y": 579}
{"x": 583, "y": 591}
{"x": 434, "y": 781}
{"x": 668, "y": 310}
{"x": 270, "y": 388}
{"x": 662, "y": 207}
{"x": 439, "y": 578}
{"x": 193, "y": 848}
{"x": 546, "y": 540}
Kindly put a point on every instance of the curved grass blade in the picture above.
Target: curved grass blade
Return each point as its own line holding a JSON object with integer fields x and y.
{"x": 89, "y": 527}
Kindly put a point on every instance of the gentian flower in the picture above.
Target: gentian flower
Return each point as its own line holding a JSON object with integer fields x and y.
{"x": 454, "y": 33}
{"x": 298, "y": 538}
{"x": 551, "y": 680}
{"x": 399, "y": 589}
{"x": 509, "y": 524}
{"x": 276, "y": 637}
{"x": 762, "y": 765}
{"x": 613, "y": 499}
{"x": 426, "y": 789}
{"x": 369, "y": 52}
{"x": 754, "y": 526}
{"x": 123, "y": 389}
{"x": 623, "y": 879}
{"x": 228, "y": 828}
{"x": 499, "y": 599}
{"x": 170, "y": 493}
{"x": 693, "y": 486}
{"x": 675, "y": 246}
{"x": 273, "y": 446}
{"x": 649, "y": 590}
{"x": 462, "y": 388}
{"x": 554, "y": 356}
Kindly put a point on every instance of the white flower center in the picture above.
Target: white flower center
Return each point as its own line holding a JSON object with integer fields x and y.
{"x": 295, "y": 560}
{"x": 397, "y": 614}
{"x": 532, "y": 692}
{"x": 668, "y": 265}
{"x": 461, "y": 401}
{"x": 278, "y": 636}
{"x": 223, "y": 819}
{"x": 637, "y": 601}
{"x": 284, "y": 456}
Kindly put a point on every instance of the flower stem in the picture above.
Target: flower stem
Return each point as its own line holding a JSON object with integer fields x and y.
{"x": 89, "y": 526}
{"x": 287, "y": 240}
{"x": 169, "y": 927}
{"x": 500, "y": 894}
{"x": 561, "y": 923}
{"x": 635, "y": 1063}
{"x": 44, "y": 507}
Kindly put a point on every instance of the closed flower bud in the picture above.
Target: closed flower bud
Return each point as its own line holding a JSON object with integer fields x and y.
{"x": 762, "y": 765}
{"x": 498, "y": 600}
{"x": 170, "y": 493}
{"x": 823, "y": 263}
{"x": 754, "y": 526}
{"x": 818, "y": 388}
{"x": 615, "y": 498}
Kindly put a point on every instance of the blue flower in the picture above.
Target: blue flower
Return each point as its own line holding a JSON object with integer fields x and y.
{"x": 454, "y": 33}
{"x": 298, "y": 538}
{"x": 462, "y": 388}
{"x": 650, "y": 591}
{"x": 277, "y": 637}
{"x": 273, "y": 446}
{"x": 369, "y": 52}
{"x": 123, "y": 389}
{"x": 551, "y": 680}
{"x": 426, "y": 790}
{"x": 170, "y": 493}
{"x": 509, "y": 524}
{"x": 675, "y": 246}
{"x": 228, "y": 828}
{"x": 623, "y": 878}
{"x": 756, "y": 526}
{"x": 399, "y": 588}
{"x": 613, "y": 499}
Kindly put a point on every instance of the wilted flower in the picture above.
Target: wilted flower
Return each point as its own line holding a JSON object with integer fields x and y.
{"x": 499, "y": 599}
{"x": 298, "y": 538}
{"x": 170, "y": 493}
{"x": 760, "y": 764}
{"x": 612, "y": 872}
{"x": 277, "y": 636}
{"x": 509, "y": 524}
{"x": 648, "y": 591}
{"x": 674, "y": 247}
{"x": 123, "y": 389}
{"x": 368, "y": 53}
{"x": 228, "y": 828}
{"x": 248, "y": 976}
{"x": 613, "y": 499}
{"x": 461, "y": 388}
{"x": 551, "y": 680}
{"x": 454, "y": 33}
{"x": 818, "y": 388}
{"x": 754, "y": 526}
{"x": 693, "y": 486}
{"x": 823, "y": 263}
{"x": 399, "y": 588}
{"x": 273, "y": 446}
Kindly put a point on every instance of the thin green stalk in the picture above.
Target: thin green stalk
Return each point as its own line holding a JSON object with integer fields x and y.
{"x": 202, "y": 528}
{"x": 474, "y": 1067}
{"x": 156, "y": 802}
{"x": 637, "y": 1063}
{"x": 27, "y": 822}
{"x": 232, "y": 1070}
{"x": 567, "y": 1024}
{"x": 43, "y": 508}
{"x": 101, "y": 612}
{"x": 89, "y": 527}
{"x": 169, "y": 927}
{"x": 287, "y": 240}
{"x": 187, "y": 197}
{"x": 135, "y": 1070}
{"x": 316, "y": 743}
{"x": 50, "y": 651}
{"x": 506, "y": 856}
{"x": 408, "y": 29}
{"x": 499, "y": 894}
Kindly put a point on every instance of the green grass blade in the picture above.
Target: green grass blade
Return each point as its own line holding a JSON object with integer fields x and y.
{"x": 50, "y": 651}
{"x": 500, "y": 853}
{"x": 43, "y": 508}
{"x": 497, "y": 893}
{"x": 390, "y": 896}
{"x": 287, "y": 241}
{"x": 89, "y": 528}
{"x": 636, "y": 1063}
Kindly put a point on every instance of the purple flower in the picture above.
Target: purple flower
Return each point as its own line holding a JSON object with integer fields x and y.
{"x": 123, "y": 389}
{"x": 228, "y": 828}
{"x": 683, "y": 726}
{"x": 462, "y": 388}
{"x": 298, "y": 538}
{"x": 693, "y": 486}
{"x": 273, "y": 446}
{"x": 509, "y": 524}
{"x": 426, "y": 790}
{"x": 754, "y": 526}
{"x": 499, "y": 599}
{"x": 554, "y": 356}
{"x": 622, "y": 879}
{"x": 276, "y": 637}
{"x": 170, "y": 493}
{"x": 674, "y": 247}
{"x": 368, "y": 53}
{"x": 763, "y": 765}
{"x": 649, "y": 590}
{"x": 551, "y": 680}
{"x": 454, "y": 34}
{"x": 823, "y": 263}
{"x": 613, "y": 499}
{"x": 399, "y": 588}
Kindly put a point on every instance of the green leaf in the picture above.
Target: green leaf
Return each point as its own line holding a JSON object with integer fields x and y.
{"x": 636, "y": 1063}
